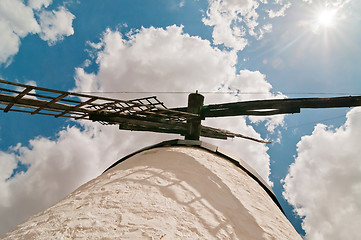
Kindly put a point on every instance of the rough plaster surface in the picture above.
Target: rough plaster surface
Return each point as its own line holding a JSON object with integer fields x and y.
{"x": 164, "y": 193}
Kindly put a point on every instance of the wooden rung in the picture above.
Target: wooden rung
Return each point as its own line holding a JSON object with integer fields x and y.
{"x": 77, "y": 107}
{"x": 49, "y": 103}
{"x": 20, "y": 95}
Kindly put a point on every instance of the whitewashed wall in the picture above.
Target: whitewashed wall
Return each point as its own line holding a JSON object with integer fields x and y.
{"x": 164, "y": 193}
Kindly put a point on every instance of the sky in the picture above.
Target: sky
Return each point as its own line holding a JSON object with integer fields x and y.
{"x": 228, "y": 50}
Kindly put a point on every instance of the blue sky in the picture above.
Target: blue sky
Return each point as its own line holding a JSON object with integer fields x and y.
{"x": 276, "y": 49}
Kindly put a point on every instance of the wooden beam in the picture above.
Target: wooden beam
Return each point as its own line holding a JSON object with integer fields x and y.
{"x": 277, "y": 106}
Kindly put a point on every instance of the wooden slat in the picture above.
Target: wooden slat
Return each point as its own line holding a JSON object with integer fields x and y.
{"x": 18, "y": 97}
{"x": 76, "y": 107}
{"x": 63, "y": 95}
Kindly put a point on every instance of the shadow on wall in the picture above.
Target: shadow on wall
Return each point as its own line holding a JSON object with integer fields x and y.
{"x": 193, "y": 186}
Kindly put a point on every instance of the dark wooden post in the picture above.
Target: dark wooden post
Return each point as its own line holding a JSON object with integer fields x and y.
{"x": 195, "y": 104}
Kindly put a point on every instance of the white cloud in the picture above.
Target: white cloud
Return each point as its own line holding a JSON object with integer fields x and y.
{"x": 324, "y": 183}
{"x": 37, "y": 4}
{"x": 9, "y": 43}
{"x": 225, "y": 18}
{"x": 17, "y": 20}
{"x": 155, "y": 59}
{"x": 234, "y": 21}
{"x": 8, "y": 164}
{"x": 150, "y": 59}
{"x": 86, "y": 63}
{"x": 252, "y": 82}
{"x": 280, "y": 12}
{"x": 19, "y": 17}
{"x": 55, "y": 25}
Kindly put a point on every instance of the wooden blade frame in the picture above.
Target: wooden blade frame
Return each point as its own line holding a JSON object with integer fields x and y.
{"x": 275, "y": 106}
{"x": 143, "y": 114}
{"x": 35, "y": 100}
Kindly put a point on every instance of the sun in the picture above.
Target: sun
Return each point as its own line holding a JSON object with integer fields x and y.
{"x": 327, "y": 17}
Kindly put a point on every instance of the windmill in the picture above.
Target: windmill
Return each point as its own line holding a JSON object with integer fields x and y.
{"x": 149, "y": 113}
{"x": 213, "y": 203}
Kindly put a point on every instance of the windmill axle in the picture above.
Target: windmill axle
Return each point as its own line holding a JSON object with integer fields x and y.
{"x": 195, "y": 104}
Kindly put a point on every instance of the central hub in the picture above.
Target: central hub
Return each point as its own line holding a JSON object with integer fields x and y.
{"x": 195, "y": 104}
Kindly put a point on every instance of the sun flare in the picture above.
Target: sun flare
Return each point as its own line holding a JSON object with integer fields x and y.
{"x": 326, "y": 18}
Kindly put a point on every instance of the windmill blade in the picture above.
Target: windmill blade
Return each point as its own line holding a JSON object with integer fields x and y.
{"x": 275, "y": 106}
{"x": 36, "y": 100}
